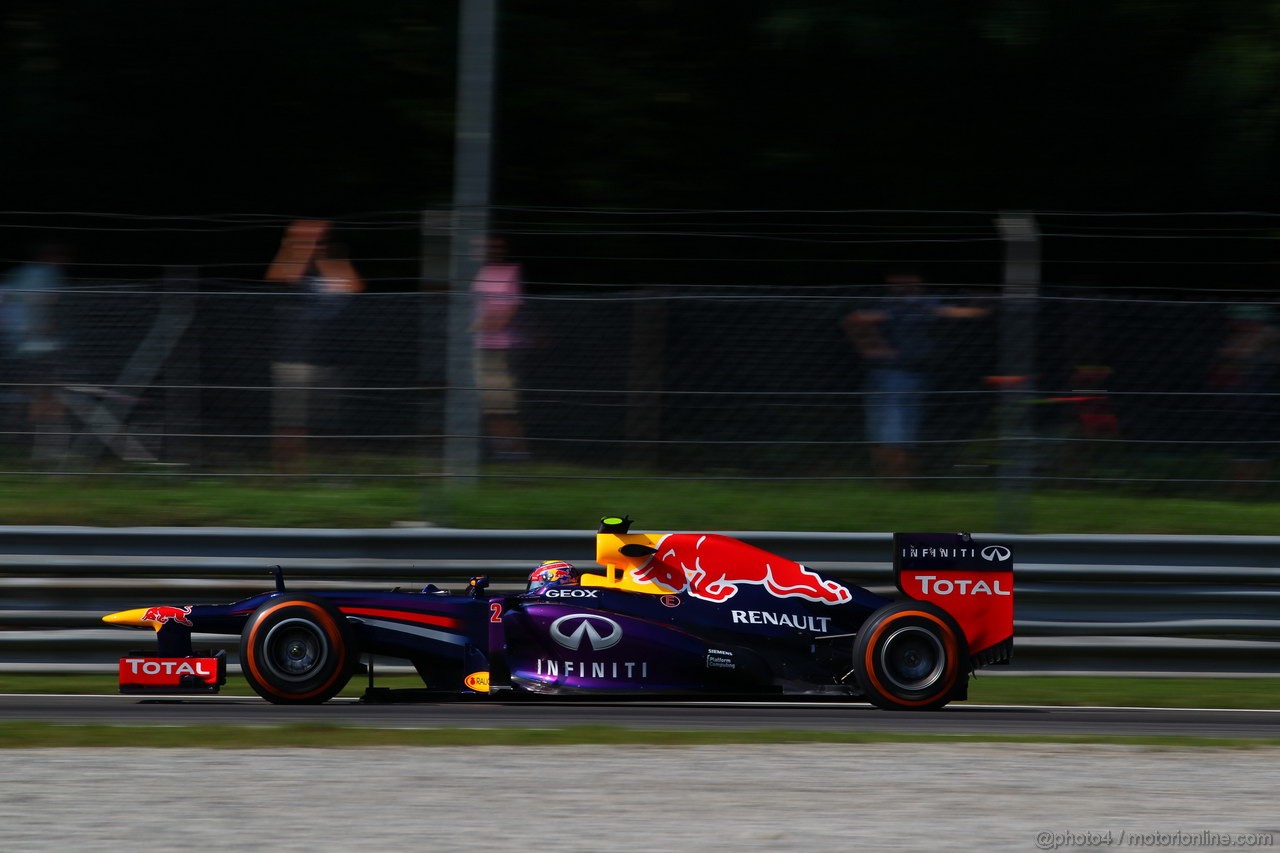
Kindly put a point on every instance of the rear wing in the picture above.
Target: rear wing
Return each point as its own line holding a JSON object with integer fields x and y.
{"x": 969, "y": 579}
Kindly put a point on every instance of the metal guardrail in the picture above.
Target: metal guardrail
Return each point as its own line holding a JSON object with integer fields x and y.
{"x": 1115, "y": 604}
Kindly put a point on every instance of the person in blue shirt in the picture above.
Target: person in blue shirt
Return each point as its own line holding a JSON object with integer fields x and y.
{"x": 34, "y": 347}
{"x": 896, "y": 337}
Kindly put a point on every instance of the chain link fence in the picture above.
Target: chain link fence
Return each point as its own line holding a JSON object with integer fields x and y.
{"x": 1028, "y": 372}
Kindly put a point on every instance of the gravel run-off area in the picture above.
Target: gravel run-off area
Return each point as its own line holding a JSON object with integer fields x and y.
{"x": 728, "y": 799}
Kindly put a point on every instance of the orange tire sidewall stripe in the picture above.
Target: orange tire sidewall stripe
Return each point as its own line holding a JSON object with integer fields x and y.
{"x": 325, "y": 621}
{"x": 949, "y": 641}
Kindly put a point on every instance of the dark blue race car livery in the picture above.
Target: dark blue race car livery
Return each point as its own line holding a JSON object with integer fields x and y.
{"x": 666, "y": 614}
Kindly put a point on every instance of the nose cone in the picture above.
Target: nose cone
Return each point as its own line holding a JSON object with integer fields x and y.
{"x": 131, "y": 619}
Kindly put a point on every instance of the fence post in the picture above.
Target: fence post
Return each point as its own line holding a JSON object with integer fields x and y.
{"x": 1017, "y": 365}
{"x": 183, "y": 430}
{"x": 472, "y": 144}
{"x": 644, "y": 386}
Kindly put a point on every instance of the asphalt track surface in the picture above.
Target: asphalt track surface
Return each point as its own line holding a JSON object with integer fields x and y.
{"x": 958, "y": 719}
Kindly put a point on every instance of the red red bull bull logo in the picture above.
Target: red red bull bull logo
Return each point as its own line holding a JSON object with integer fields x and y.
{"x": 164, "y": 613}
{"x": 712, "y": 567}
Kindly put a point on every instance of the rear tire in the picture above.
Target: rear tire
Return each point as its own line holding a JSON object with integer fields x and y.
{"x": 910, "y": 656}
{"x": 297, "y": 649}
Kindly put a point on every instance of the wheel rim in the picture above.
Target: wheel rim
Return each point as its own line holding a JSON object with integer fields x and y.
{"x": 912, "y": 658}
{"x": 295, "y": 649}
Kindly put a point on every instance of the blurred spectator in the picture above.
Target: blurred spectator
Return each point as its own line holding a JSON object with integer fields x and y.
{"x": 896, "y": 339}
{"x": 1087, "y": 420}
{"x": 1245, "y": 372}
{"x": 34, "y": 346}
{"x": 499, "y": 290}
{"x": 322, "y": 276}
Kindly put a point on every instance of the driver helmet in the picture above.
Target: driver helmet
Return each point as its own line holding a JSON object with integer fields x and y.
{"x": 553, "y": 571}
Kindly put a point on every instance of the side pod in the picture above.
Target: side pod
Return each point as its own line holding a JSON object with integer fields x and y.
{"x": 972, "y": 581}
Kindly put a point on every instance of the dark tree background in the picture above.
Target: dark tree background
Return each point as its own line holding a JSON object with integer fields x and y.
{"x": 329, "y": 108}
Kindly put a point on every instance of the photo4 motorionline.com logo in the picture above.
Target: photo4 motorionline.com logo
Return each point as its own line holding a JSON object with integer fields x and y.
{"x": 1168, "y": 839}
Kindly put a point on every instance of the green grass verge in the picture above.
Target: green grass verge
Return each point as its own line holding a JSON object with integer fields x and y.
{"x": 559, "y": 498}
{"x": 29, "y": 735}
{"x": 989, "y": 690}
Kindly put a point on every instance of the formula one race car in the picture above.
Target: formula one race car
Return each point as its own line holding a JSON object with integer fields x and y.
{"x": 669, "y": 614}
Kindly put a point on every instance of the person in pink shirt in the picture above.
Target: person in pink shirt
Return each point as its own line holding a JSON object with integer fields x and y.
{"x": 498, "y": 290}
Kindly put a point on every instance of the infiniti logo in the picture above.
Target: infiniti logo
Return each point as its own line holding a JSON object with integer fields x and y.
{"x": 568, "y": 631}
{"x": 995, "y": 553}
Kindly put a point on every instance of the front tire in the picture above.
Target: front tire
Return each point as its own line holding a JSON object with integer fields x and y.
{"x": 297, "y": 649}
{"x": 910, "y": 656}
